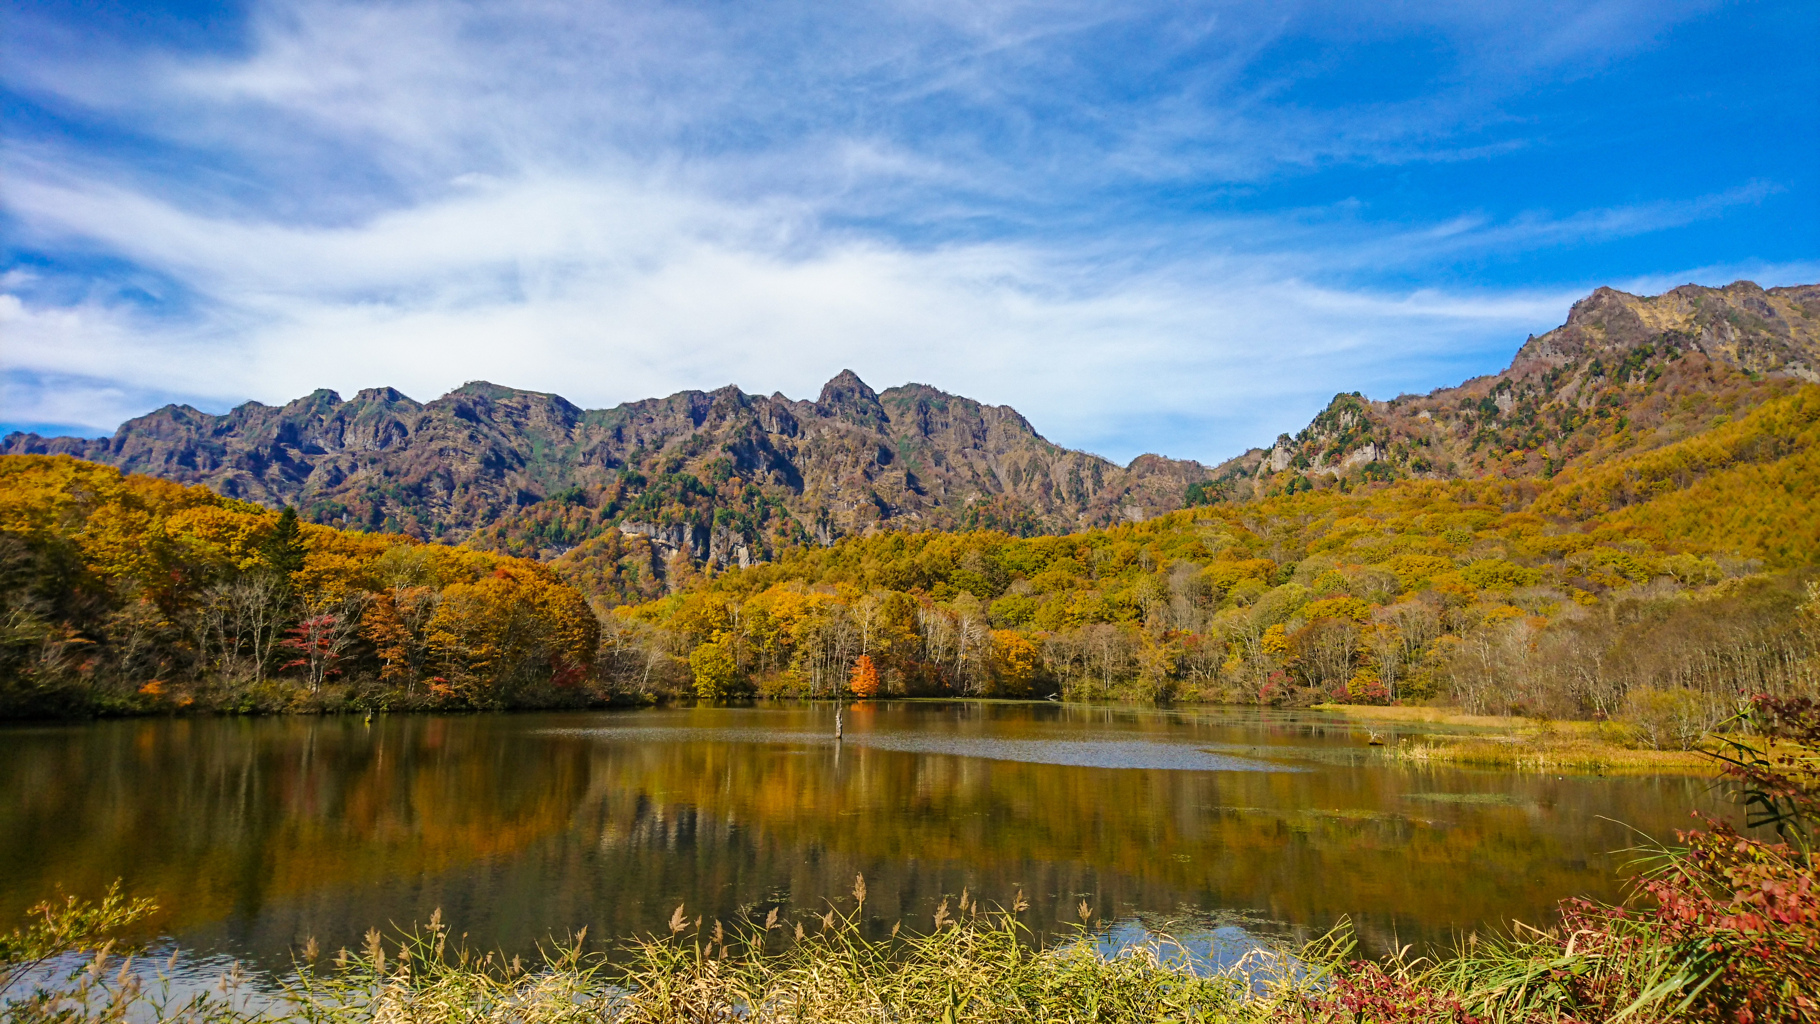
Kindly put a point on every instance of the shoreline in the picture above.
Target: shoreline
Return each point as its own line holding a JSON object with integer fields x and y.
{"x": 1500, "y": 742}
{"x": 1520, "y": 744}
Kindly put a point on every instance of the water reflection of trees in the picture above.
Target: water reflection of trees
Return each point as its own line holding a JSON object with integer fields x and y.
{"x": 261, "y": 833}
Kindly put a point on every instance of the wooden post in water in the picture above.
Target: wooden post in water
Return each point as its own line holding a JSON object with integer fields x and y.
{"x": 838, "y": 705}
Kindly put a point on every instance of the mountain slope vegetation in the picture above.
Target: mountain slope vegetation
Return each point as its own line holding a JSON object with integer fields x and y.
{"x": 1675, "y": 579}
{"x": 1625, "y": 373}
{"x": 722, "y": 477}
{"x": 1624, "y": 523}
{"x": 130, "y": 593}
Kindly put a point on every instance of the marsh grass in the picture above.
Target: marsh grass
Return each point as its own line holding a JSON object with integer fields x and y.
{"x": 976, "y": 965}
{"x": 69, "y": 963}
{"x": 1546, "y": 750}
{"x": 1523, "y": 744}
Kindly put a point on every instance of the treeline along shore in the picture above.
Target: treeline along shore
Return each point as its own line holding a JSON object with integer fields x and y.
{"x": 1654, "y": 590}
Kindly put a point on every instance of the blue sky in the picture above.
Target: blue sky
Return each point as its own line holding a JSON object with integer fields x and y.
{"x": 1165, "y": 227}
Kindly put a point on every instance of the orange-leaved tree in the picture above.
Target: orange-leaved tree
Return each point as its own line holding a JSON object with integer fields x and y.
{"x": 864, "y": 680}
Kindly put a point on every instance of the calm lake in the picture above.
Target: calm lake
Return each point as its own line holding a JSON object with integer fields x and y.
{"x": 257, "y": 834}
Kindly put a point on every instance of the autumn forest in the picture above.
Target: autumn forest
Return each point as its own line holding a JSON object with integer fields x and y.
{"x": 1620, "y": 526}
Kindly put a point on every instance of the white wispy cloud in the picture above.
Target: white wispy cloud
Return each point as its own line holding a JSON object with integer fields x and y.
{"x": 604, "y": 293}
{"x": 612, "y": 201}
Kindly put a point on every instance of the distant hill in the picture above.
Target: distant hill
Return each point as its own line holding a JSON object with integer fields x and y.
{"x": 722, "y": 475}
{"x": 1626, "y": 373}
{"x": 617, "y": 496}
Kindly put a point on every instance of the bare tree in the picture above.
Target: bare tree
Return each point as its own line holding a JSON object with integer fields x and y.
{"x": 1328, "y": 647}
{"x": 1386, "y": 644}
{"x": 865, "y": 618}
{"x": 972, "y": 651}
{"x": 826, "y": 649}
{"x": 239, "y": 623}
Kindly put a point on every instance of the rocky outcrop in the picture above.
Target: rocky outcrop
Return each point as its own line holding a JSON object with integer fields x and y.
{"x": 1625, "y": 372}
{"x": 714, "y": 474}
{"x": 715, "y": 545}
{"x": 725, "y": 477}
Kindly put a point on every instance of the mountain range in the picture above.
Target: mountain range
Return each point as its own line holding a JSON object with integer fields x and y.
{"x": 726, "y": 477}
{"x": 726, "y": 473}
{"x": 1625, "y": 373}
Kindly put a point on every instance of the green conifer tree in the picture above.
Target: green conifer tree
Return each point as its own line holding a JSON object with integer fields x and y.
{"x": 283, "y": 551}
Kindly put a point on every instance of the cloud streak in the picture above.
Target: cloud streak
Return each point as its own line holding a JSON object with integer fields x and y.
{"x": 1091, "y": 213}
{"x": 606, "y": 294}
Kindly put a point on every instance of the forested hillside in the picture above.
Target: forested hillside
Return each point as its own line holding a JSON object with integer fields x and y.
{"x": 725, "y": 478}
{"x": 719, "y": 477}
{"x": 1625, "y": 518}
{"x": 1625, "y": 373}
{"x": 1678, "y": 577}
{"x": 128, "y": 593}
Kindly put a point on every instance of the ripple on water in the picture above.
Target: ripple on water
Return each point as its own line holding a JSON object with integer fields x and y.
{"x": 1108, "y": 753}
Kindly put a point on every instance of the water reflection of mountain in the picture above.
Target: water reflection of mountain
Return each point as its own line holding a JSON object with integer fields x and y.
{"x": 260, "y": 833}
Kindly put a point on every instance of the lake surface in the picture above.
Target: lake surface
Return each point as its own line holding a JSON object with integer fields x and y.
{"x": 257, "y": 834}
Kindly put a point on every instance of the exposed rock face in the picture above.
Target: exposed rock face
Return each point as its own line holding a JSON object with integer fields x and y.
{"x": 716, "y": 474}
{"x": 710, "y": 544}
{"x": 724, "y": 476}
{"x": 1624, "y": 373}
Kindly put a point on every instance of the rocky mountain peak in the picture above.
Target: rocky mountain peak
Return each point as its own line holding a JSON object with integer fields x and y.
{"x": 529, "y": 472}
{"x": 480, "y": 389}
{"x": 319, "y": 402}
{"x": 848, "y": 398}
{"x": 1623, "y": 372}
{"x": 386, "y": 396}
